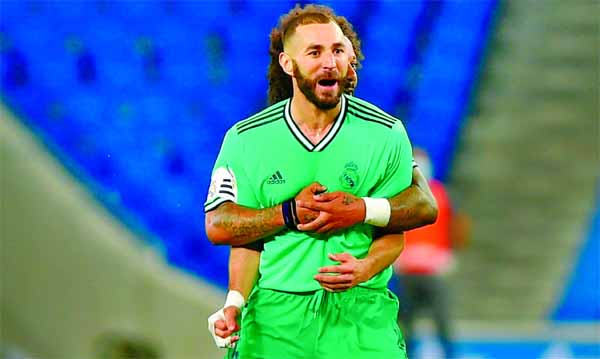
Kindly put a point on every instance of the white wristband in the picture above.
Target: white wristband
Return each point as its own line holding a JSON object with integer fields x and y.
{"x": 378, "y": 211}
{"x": 234, "y": 298}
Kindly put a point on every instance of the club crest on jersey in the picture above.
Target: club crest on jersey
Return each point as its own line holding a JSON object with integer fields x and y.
{"x": 349, "y": 177}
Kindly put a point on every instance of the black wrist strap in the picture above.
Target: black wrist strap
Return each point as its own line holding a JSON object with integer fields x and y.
{"x": 290, "y": 217}
{"x": 295, "y": 212}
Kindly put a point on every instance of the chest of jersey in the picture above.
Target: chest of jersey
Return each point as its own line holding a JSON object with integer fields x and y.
{"x": 350, "y": 162}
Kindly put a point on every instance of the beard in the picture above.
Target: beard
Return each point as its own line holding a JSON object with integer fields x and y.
{"x": 349, "y": 85}
{"x": 308, "y": 86}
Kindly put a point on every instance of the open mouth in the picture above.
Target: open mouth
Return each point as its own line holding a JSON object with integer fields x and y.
{"x": 327, "y": 82}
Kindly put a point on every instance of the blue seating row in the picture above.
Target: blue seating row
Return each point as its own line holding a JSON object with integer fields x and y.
{"x": 142, "y": 108}
{"x": 450, "y": 67}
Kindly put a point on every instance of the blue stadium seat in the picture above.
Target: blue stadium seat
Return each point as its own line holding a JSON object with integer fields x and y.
{"x": 71, "y": 14}
{"x": 13, "y": 13}
{"x": 449, "y": 69}
{"x": 265, "y": 12}
{"x": 375, "y": 77}
{"x": 349, "y": 9}
{"x": 186, "y": 75}
{"x": 389, "y": 48}
{"x": 135, "y": 11}
{"x": 197, "y": 15}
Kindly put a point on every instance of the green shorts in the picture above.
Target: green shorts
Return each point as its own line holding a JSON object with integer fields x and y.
{"x": 358, "y": 323}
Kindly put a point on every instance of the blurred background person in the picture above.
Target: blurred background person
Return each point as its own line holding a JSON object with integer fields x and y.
{"x": 427, "y": 258}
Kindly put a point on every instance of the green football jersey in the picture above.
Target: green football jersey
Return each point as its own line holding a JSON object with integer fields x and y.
{"x": 266, "y": 160}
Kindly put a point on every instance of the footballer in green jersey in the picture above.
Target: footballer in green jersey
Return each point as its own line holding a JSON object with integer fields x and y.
{"x": 266, "y": 160}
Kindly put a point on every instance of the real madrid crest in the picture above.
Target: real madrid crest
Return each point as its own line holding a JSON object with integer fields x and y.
{"x": 349, "y": 177}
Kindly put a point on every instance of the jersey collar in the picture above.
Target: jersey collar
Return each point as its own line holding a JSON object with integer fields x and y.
{"x": 305, "y": 142}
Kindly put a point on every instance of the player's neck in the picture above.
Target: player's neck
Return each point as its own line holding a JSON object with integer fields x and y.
{"x": 310, "y": 117}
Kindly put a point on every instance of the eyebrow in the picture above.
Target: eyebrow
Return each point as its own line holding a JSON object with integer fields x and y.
{"x": 319, "y": 46}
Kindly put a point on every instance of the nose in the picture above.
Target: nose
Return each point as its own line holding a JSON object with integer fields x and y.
{"x": 329, "y": 61}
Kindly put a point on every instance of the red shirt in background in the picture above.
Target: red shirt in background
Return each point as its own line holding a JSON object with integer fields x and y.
{"x": 428, "y": 250}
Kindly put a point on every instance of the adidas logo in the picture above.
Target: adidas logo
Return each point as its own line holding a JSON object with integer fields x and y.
{"x": 276, "y": 178}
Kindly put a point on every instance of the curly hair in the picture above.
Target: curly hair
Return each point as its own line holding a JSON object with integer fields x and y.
{"x": 280, "y": 83}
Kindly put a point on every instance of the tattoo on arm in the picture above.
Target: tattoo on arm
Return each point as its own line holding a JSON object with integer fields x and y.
{"x": 307, "y": 218}
{"x": 348, "y": 200}
{"x": 246, "y": 225}
{"x": 414, "y": 207}
{"x": 410, "y": 209}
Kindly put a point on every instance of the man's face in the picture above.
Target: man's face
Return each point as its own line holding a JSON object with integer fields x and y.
{"x": 320, "y": 59}
{"x": 351, "y": 77}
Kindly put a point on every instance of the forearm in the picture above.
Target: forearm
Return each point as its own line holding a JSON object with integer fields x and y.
{"x": 243, "y": 270}
{"x": 383, "y": 252}
{"x": 236, "y": 225}
{"x": 412, "y": 208}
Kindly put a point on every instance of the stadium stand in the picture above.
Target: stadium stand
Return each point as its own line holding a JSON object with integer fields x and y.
{"x": 130, "y": 102}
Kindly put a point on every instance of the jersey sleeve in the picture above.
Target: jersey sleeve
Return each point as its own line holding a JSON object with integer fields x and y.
{"x": 398, "y": 171}
{"x": 229, "y": 182}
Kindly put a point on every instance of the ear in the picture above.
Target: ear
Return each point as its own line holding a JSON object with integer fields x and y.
{"x": 285, "y": 61}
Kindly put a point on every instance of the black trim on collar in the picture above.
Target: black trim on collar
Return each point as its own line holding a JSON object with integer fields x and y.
{"x": 374, "y": 116}
{"x": 358, "y": 115}
{"x": 325, "y": 141}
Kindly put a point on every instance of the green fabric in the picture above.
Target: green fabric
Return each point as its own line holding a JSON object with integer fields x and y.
{"x": 355, "y": 324}
{"x": 366, "y": 153}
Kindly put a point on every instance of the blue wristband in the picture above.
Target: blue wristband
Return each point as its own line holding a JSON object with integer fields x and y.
{"x": 290, "y": 217}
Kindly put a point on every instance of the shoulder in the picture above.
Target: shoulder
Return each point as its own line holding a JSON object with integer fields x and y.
{"x": 374, "y": 116}
{"x": 366, "y": 111}
{"x": 262, "y": 118}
